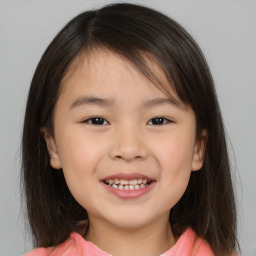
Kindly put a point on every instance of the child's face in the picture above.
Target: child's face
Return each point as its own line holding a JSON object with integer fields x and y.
{"x": 133, "y": 141}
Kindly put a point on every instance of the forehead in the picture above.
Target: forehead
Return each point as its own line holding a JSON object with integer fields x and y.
{"x": 103, "y": 70}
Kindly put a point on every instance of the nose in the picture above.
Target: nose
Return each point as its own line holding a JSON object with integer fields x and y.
{"x": 128, "y": 144}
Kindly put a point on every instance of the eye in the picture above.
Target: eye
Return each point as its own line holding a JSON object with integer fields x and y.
{"x": 159, "y": 121}
{"x": 96, "y": 121}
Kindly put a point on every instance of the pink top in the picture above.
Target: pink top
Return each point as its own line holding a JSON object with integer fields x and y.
{"x": 189, "y": 244}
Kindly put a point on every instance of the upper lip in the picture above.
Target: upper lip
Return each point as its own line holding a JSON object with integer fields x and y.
{"x": 128, "y": 176}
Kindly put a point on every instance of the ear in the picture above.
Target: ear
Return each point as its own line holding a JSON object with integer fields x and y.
{"x": 52, "y": 149}
{"x": 199, "y": 152}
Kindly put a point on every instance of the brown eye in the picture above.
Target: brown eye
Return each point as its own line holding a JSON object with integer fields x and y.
{"x": 158, "y": 121}
{"x": 96, "y": 121}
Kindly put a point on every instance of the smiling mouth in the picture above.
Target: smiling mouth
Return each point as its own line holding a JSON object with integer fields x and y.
{"x": 122, "y": 184}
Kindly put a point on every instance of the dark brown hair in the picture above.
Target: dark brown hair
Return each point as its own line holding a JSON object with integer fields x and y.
{"x": 140, "y": 35}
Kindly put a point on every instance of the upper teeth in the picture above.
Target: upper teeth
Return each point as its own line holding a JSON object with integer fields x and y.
{"x": 126, "y": 182}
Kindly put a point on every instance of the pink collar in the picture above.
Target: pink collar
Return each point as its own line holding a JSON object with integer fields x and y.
{"x": 187, "y": 244}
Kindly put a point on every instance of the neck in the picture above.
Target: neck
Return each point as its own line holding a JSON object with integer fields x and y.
{"x": 153, "y": 239}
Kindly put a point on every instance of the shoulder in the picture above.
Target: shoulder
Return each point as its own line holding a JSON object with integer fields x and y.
{"x": 75, "y": 245}
{"x": 201, "y": 248}
{"x": 69, "y": 246}
{"x": 40, "y": 252}
{"x": 189, "y": 244}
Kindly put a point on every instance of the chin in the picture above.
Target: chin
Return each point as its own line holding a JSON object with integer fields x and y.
{"x": 129, "y": 220}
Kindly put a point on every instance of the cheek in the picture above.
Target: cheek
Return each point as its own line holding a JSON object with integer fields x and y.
{"x": 175, "y": 153}
{"x": 80, "y": 156}
{"x": 78, "y": 149}
{"x": 175, "y": 160}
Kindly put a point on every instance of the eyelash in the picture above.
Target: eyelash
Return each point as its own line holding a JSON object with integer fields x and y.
{"x": 160, "y": 119}
{"x": 100, "y": 121}
{"x": 97, "y": 119}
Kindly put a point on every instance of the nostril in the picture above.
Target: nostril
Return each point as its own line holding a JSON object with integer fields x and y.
{"x": 127, "y": 152}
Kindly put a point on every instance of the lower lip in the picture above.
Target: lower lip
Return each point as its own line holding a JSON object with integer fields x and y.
{"x": 129, "y": 194}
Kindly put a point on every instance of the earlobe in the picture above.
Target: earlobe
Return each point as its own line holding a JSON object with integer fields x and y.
{"x": 52, "y": 149}
{"x": 199, "y": 152}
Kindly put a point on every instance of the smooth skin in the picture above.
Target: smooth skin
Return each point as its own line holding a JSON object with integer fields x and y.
{"x": 109, "y": 119}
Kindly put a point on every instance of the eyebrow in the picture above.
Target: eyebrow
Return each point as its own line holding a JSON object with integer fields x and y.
{"x": 162, "y": 101}
{"x": 85, "y": 100}
{"x": 91, "y": 101}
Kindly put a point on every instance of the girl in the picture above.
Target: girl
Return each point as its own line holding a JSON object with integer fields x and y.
{"x": 124, "y": 150}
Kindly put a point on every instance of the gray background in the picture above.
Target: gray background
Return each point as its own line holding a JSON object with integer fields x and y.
{"x": 226, "y": 32}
